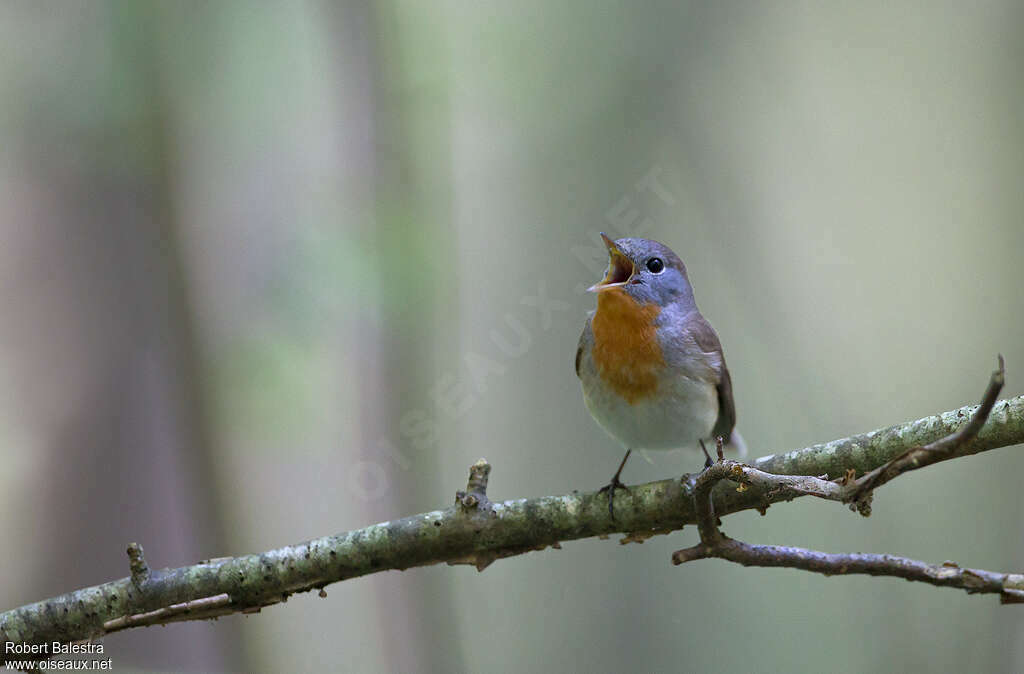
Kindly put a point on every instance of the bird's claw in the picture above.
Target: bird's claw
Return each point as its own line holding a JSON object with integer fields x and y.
{"x": 616, "y": 483}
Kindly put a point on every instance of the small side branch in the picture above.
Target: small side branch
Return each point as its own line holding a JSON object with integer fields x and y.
{"x": 950, "y": 447}
{"x": 137, "y": 564}
{"x": 199, "y": 609}
{"x": 1010, "y": 586}
{"x": 475, "y": 496}
{"x": 857, "y": 493}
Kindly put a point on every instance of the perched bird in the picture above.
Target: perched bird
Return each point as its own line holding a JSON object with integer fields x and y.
{"x": 651, "y": 367}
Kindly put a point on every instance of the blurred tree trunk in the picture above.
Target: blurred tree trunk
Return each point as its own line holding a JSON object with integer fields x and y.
{"x": 115, "y": 385}
{"x": 405, "y": 238}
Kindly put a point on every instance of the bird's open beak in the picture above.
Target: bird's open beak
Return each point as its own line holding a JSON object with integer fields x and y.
{"x": 620, "y": 268}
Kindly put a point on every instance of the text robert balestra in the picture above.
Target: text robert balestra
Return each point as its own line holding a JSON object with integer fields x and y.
{"x": 52, "y": 648}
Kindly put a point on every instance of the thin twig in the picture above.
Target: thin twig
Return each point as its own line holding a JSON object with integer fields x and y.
{"x": 715, "y": 544}
{"x": 953, "y": 445}
{"x": 1010, "y": 587}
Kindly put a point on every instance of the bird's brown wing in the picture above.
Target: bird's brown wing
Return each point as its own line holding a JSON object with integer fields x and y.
{"x": 585, "y": 337}
{"x": 707, "y": 339}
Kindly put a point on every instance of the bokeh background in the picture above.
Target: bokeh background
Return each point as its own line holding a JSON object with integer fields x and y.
{"x": 270, "y": 271}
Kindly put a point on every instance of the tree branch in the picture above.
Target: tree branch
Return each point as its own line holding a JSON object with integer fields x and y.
{"x": 953, "y": 445}
{"x": 478, "y": 531}
{"x": 857, "y": 493}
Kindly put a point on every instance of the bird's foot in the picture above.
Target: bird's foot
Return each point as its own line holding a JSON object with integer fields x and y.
{"x": 616, "y": 483}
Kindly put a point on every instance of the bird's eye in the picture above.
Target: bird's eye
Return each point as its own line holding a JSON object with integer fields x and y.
{"x": 655, "y": 265}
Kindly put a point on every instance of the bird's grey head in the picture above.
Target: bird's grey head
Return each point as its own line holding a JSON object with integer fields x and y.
{"x": 646, "y": 270}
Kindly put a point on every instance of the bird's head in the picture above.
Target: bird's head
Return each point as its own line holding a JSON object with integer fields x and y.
{"x": 647, "y": 271}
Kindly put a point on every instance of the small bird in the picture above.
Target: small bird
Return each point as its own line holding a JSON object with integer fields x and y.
{"x": 651, "y": 367}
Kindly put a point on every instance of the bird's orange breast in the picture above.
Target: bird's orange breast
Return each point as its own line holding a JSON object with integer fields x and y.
{"x": 626, "y": 351}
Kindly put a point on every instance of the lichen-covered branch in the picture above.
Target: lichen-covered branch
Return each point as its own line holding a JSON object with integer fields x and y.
{"x": 474, "y": 530}
{"x": 856, "y": 492}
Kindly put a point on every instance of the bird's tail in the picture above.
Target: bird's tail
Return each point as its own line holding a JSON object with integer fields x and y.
{"x": 736, "y": 443}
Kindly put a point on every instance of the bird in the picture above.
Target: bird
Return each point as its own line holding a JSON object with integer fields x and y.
{"x": 651, "y": 367}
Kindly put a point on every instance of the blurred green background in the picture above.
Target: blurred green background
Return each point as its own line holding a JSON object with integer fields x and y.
{"x": 254, "y": 257}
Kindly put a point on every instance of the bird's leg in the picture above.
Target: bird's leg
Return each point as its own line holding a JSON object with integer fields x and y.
{"x": 616, "y": 483}
{"x": 719, "y": 444}
{"x": 707, "y": 457}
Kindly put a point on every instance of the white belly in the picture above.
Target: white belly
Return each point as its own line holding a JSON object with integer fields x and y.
{"x": 682, "y": 412}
